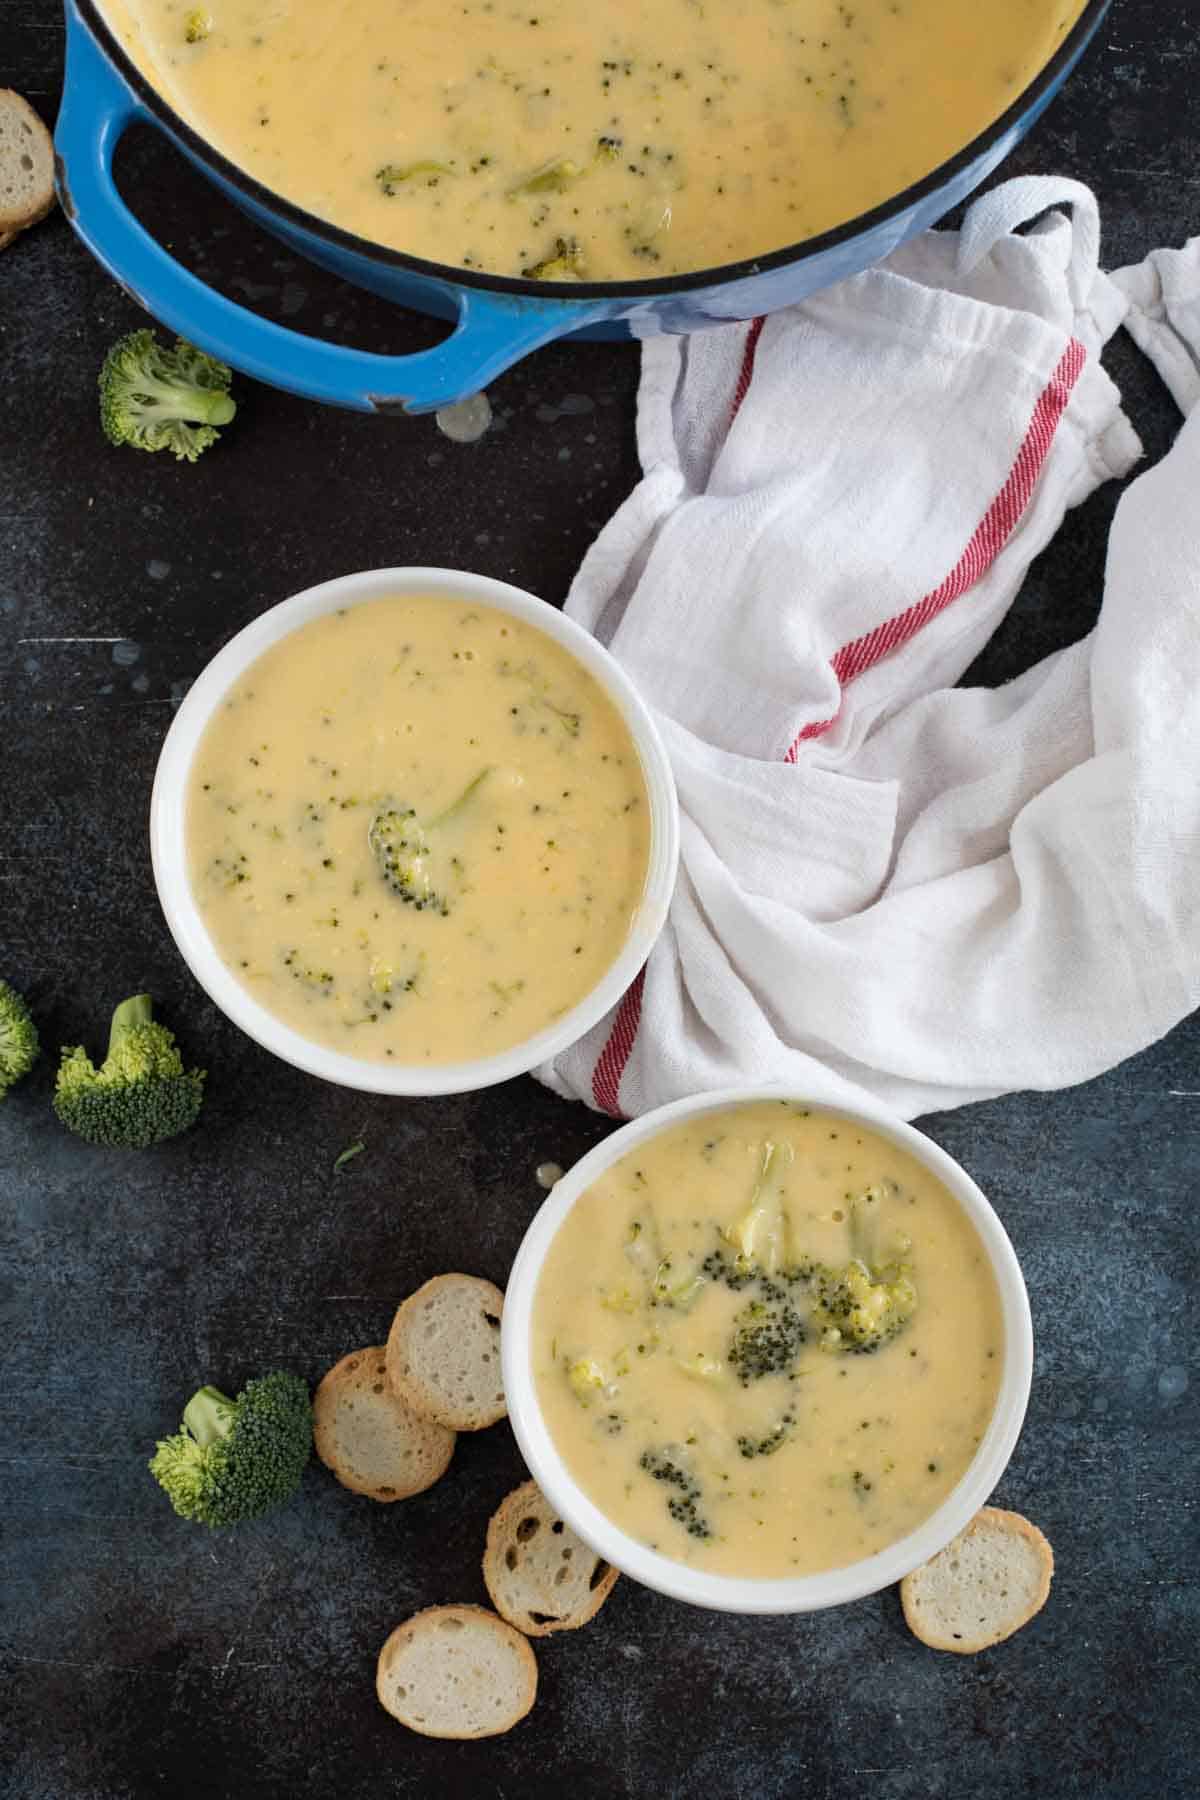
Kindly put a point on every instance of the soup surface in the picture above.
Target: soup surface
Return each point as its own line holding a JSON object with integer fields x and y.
{"x": 767, "y": 1342}
{"x": 418, "y": 830}
{"x": 593, "y": 142}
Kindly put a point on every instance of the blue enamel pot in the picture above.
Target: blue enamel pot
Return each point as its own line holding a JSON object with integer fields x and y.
{"x": 497, "y": 320}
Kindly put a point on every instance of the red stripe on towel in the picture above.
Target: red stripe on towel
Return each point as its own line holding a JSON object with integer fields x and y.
{"x": 746, "y": 372}
{"x": 610, "y": 1066}
{"x": 989, "y": 539}
{"x": 853, "y": 659}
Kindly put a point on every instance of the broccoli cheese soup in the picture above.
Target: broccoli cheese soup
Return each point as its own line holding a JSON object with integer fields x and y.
{"x": 566, "y": 141}
{"x": 417, "y": 830}
{"x": 767, "y": 1342}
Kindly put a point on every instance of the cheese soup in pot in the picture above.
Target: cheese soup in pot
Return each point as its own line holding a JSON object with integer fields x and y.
{"x": 568, "y": 141}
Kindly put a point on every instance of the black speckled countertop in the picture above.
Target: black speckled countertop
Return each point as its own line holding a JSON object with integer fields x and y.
{"x": 145, "y": 1657}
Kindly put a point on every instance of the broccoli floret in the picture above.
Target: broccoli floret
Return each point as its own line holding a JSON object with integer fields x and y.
{"x": 158, "y": 399}
{"x": 18, "y": 1038}
{"x": 857, "y": 1309}
{"x": 565, "y": 264}
{"x": 588, "y": 1380}
{"x": 684, "y": 1504}
{"x": 420, "y": 871}
{"x": 196, "y": 25}
{"x": 236, "y": 1459}
{"x": 768, "y": 1339}
{"x": 141, "y": 1093}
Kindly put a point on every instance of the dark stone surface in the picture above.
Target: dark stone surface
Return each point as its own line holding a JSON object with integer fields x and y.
{"x": 144, "y": 1657}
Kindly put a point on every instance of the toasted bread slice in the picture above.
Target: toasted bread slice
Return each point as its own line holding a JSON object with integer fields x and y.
{"x": 443, "y": 1352}
{"x": 457, "y": 1672}
{"x": 988, "y": 1582}
{"x": 540, "y": 1576}
{"x": 372, "y": 1439}
{"x": 26, "y": 166}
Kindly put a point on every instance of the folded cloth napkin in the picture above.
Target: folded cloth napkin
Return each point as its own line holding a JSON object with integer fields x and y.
{"x": 889, "y": 885}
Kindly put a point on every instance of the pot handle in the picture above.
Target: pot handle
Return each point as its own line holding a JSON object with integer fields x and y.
{"x": 492, "y": 331}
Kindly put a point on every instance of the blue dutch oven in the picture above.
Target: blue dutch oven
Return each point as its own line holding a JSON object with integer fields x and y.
{"x": 497, "y": 320}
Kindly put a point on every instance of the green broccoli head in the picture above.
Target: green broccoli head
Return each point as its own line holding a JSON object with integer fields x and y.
{"x": 859, "y": 1309}
{"x": 18, "y": 1038}
{"x": 158, "y": 399}
{"x": 237, "y": 1459}
{"x": 140, "y": 1095}
{"x": 417, "y": 858}
{"x": 768, "y": 1337}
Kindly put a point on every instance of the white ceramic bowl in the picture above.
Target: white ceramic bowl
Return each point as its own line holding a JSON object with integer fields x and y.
{"x": 726, "y": 1593}
{"x": 169, "y": 846}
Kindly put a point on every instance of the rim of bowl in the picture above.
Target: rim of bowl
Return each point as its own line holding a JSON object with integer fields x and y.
{"x": 751, "y": 1594}
{"x": 168, "y": 844}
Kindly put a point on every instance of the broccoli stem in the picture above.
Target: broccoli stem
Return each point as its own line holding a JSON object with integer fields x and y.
{"x": 128, "y": 1017}
{"x": 209, "y": 1413}
{"x": 457, "y": 805}
{"x": 180, "y": 400}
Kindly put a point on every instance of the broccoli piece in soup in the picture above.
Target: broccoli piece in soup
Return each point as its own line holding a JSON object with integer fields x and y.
{"x": 564, "y": 264}
{"x": 416, "y": 857}
{"x": 552, "y": 178}
{"x": 685, "y": 1493}
{"x": 393, "y": 176}
{"x": 859, "y": 1309}
{"x": 768, "y": 1338}
{"x": 759, "y": 1236}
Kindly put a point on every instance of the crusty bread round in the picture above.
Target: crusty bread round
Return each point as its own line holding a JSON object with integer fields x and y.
{"x": 443, "y": 1352}
{"x": 457, "y": 1672}
{"x": 371, "y": 1438}
{"x": 26, "y": 166}
{"x": 540, "y": 1576}
{"x": 988, "y": 1582}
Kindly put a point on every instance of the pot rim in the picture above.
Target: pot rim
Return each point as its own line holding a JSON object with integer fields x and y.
{"x": 1043, "y": 84}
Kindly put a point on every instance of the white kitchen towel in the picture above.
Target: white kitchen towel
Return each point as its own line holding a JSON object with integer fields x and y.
{"x": 890, "y": 885}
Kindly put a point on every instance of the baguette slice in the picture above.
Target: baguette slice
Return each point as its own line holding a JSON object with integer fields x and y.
{"x": 26, "y": 166}
{"x": 372, "y": 1439}
{"x": 988, "y": 1582}
{"x": 540, "y": 1576}
{"x": 457, "y": 1672}
{"x": 443, "y": 1352}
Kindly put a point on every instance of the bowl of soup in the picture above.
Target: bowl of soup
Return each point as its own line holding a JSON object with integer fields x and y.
{"x": 541, "y": 171}
{"x": 766, "y": 1355}
{"x": 414, "y": 831}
